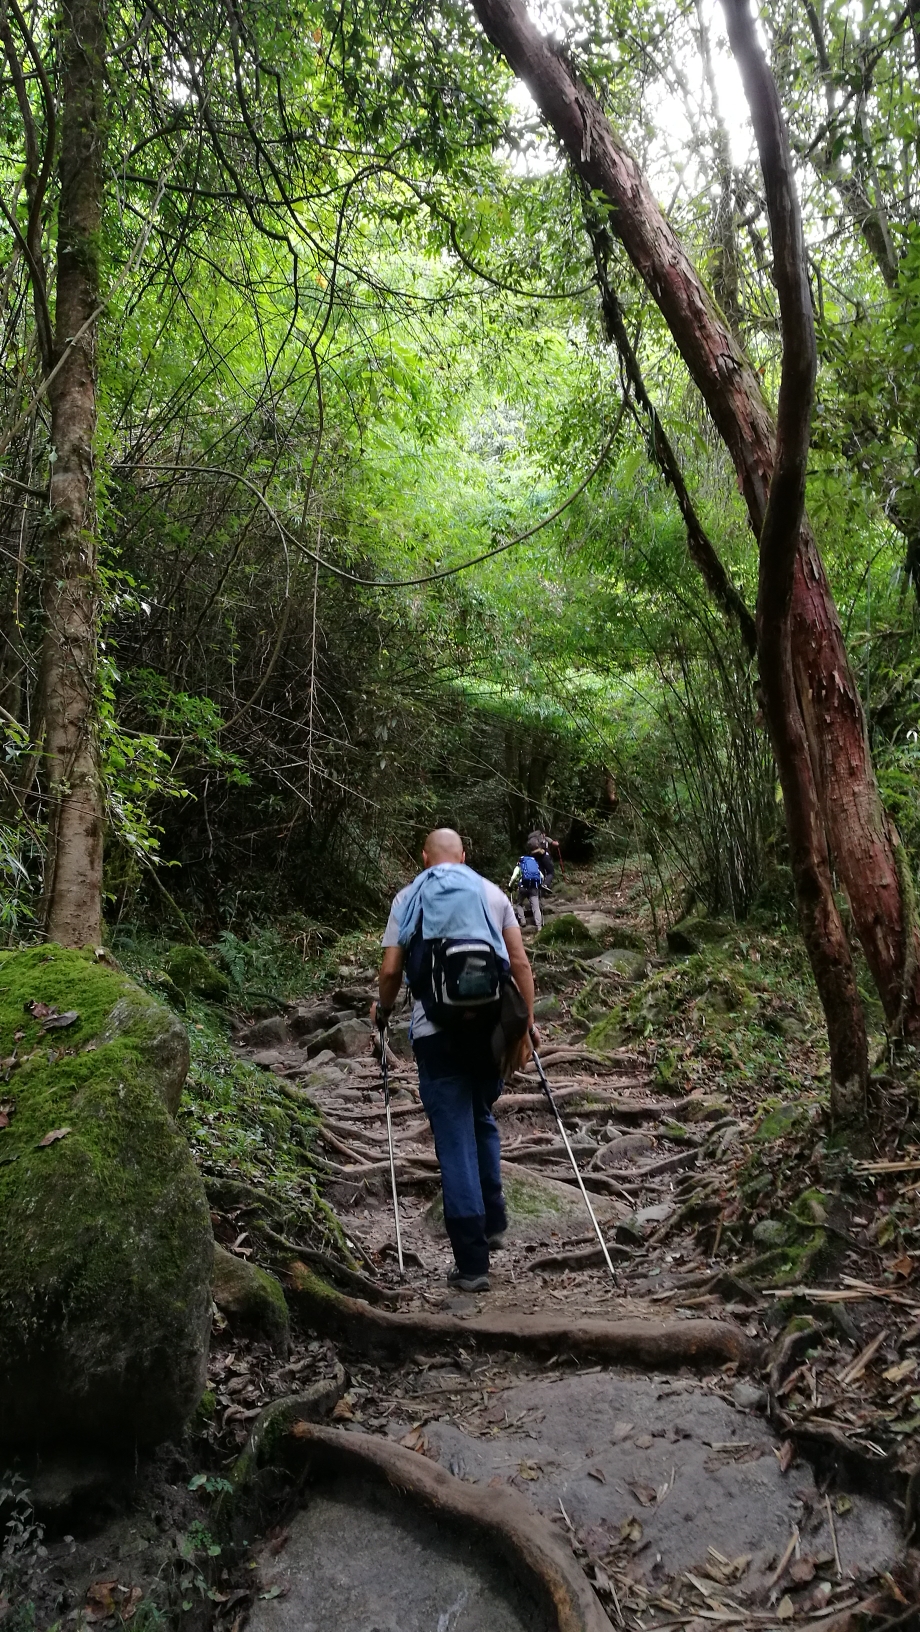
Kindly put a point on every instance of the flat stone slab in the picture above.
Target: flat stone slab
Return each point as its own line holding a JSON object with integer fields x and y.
{"x": 680, "y": 1461}
{"x": 369, "y": 1561}
{"x": 539, "y": 1208}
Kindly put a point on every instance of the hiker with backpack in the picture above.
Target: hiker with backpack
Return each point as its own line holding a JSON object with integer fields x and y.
{"x": 528, "y": 877}
{"x": 452, "y": 936}
{"x": 541, "y": 847}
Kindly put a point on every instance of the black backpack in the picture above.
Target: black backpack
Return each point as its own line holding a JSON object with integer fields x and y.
{"x": 458, "y": 980}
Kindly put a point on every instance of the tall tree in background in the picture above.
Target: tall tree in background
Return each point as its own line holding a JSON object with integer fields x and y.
{"x": 864, "y": 844}
{"x": 73, "y": 893}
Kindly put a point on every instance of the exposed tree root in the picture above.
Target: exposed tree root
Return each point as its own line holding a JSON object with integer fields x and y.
{"x": 504, "y": 1519}
{"x": 373, "y": 1291}
{"x": 583, "y": 1258}
{"x": 831, "y": 1453}
{"x": 855, "y": 1619}
{"x": 664, "y": 1344}
{"x": 279, "y": 1417}
{"x": 630, "y": 1109}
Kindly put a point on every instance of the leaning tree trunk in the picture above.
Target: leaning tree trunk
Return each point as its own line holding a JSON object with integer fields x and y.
{"x": 822, "y": 927}
{"x": 866, "y": 849}
{"x": 73, "y": 890}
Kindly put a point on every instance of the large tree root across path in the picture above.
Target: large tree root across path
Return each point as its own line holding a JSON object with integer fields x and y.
{"x": 504, "y": 1520}
{"x": 662, "y": 1344}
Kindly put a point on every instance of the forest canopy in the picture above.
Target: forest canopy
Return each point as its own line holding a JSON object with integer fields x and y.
{"x": 386, "y": 438}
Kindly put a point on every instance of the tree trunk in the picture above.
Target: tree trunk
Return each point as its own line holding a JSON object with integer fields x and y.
{"x": 822, "y": 927}
{"x": 864, "y": 843}
{"x": 73, "y": 887}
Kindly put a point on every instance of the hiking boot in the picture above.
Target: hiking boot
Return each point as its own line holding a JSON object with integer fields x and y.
{"x": 467, "y": 1283}
{"x": 496, "y": 1242}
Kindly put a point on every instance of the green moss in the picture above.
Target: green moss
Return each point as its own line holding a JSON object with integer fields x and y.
{"x": 781, "y": 1121}
{"x": 702, "y": 932}
{"x": 529, "y": 1201}
{"x": 192, "y": 971}
{"x": 565, "y": 931}
{"x": 629, "y": 939}
{"x": 167, "y": 988}
{"x": 801, "y": 1260}
{"x": 206, "y": 1408}
{"x": 607, "y": 1034}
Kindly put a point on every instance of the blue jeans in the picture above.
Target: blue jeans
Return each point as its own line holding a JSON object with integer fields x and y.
{"x": 459, "y": 1084}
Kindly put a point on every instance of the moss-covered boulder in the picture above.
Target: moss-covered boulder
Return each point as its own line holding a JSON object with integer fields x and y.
{"x": 693, "y": 934}
{"x": 252, "y": 1300}
{"x": 539, "y": 1207}
{"x": 193, "y": 972}
{"x": 105, "y": 1237}
{"x": 565, "y": 931}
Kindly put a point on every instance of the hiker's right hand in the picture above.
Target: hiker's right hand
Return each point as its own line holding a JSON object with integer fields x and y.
{"x": 379, "y": 1015}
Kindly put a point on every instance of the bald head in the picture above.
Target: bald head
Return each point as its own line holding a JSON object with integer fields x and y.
{"x": 442, "y": 844}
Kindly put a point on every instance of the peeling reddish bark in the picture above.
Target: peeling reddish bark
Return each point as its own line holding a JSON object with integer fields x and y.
{"x": 864, "y": 842}
{"x": 73, "y": 886}
{"x": 822, "y": 928}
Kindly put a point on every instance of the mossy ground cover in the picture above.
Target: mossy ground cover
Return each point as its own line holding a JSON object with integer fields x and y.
{"x": 239, "y": 1123}
{"x": 742, "y": 1012}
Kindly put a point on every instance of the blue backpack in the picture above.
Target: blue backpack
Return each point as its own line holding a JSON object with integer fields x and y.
{"x": 531, "y": 876}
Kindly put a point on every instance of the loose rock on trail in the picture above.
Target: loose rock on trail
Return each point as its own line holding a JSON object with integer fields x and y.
{"x": 719, "y": 1479}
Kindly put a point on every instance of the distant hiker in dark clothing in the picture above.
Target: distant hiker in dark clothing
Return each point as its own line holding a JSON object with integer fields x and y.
{"x": 541, "y": 847}
{"x": 452, "y": 935}
{"x": 528, "y": 877}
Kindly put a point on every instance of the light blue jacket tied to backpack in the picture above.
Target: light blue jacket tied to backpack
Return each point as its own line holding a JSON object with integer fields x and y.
{"x": 450, "y": 902}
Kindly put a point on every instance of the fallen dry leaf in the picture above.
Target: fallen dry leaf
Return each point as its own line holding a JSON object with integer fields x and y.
{"x": 52, "y": 1137}
{"x": 342, "y": 1411}
{"x": 39, "y": 1011}
{"x": 108, "y": 1598}
{"x": 57, "y": 1022}
{"x": 643, "y": 1441}
{"x": 529, "y": 1470}
{"x": 631, "y": 1529}
{"x": 785, "y": 1609}
{"x": 621, "y": 1431}
{"x": 785, "y": 1456}
{"x": 896, "y": 1374}
{"x": 415, "y": 1440}
{"x": 646, "y": 1494}
{"x": 801, "y": 1570}
{"x": 6, "y": 1111}
{"x": 598, "y": 1474}
{"x": 903, "y": 1266}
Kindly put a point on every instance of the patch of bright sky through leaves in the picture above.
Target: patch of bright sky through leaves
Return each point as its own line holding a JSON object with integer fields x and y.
{"x": 667, "y": 158}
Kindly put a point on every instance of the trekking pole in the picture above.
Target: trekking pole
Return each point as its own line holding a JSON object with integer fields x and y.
{"x": 571, "y": 1155}
{"x": 382, "y": 1029}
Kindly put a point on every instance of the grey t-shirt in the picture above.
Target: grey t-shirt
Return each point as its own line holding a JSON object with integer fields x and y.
{"x": 501, "y": 913}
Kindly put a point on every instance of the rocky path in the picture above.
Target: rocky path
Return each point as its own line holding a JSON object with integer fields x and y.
{"x": 684, "y": 1506}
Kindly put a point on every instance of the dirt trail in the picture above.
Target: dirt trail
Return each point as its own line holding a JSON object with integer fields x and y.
{"x": 673, "y": 1491}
